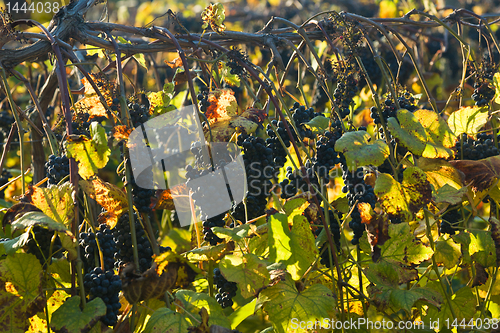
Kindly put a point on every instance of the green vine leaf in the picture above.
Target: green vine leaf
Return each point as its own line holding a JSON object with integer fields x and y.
{"x": 165, "y": 320}
{"x": 92, "y": 154}
{"x": 70, "y": 318}
{"x": 249, "y": 272}
{"x": 160, "y": 101}
{"x": 318, "y": 125}
{"x": 447, "y": 253}
{"x": 468, "y": 120}
{"x": 283, "y": 302}
{"x": 403, "y": 247}
{"x": 359, "y": 152}
{"x": 463, "y": 303}
{"x": 12, "y": 245}
{"x": 193, "y": 302}
{"x": 408, "y": 131}
{"x": 295, "y": 247}
{"x": 225, "y": 71}
{"x": 402, "y": 200}
{"x": 482, "y": 248}
{"x": 440, "y": 138}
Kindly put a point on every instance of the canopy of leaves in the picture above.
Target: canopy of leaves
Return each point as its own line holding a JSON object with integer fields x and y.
{"x": 359, "y": 152}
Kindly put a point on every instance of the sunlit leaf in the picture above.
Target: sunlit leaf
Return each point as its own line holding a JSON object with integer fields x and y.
{"x": 248, "y": 271}
{"x": 403, "y": 199}
{"x": 165, "y": 320}
{"x": 295, "y": 247}
{"x": 214, "y": 15}
{"x": 318, "y": 125}
{"x": 109, "y": 196}
{"x": 92, "y": 154}
{"x": 193, "y": 302}
{"x": 447, "y": 253}
{"x": 91, "y": 103}
{"x": 439, "y": 136}
{"x": 56, "y": 202}
{"x": 408, "y": 130}
{"x": 359, "y": 152}
{"x": 463, "y": 303}
{"x": 468, "y": 120}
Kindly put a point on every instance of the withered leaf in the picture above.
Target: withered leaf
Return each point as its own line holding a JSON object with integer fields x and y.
{"x": 121, "y": 132}
{"x": 480, "y": 174}
{"x": 18, "y": 210}
{"x": 139, "y": 287}
{"x": 481, "y": 275}
{"x": 377, "y": 228}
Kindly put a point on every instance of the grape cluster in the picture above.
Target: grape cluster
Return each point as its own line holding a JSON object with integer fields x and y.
{"x": 483, "y": 93}
{"x": 4, "y": 179}
{"x": 209, "y": 236}
{"x": 123, "y": 241}
{"x": 344, "y": 94}
{"x": 142, "y": 198}
{"x": 357, "y": 191}
{"x": 225, "y": 290}
{"x": 406, "y": 101}
{"x": 326, "y": 156}
{"x": 88, "y": 242}
{"x": 335, "y": 231}
{"x": 39, "y": 245}
{"x": 260, "y": 169}
{"x": 300, "y": 116}
{"x": 294, "y": 182}
{"x": 6, "y": 121}
{"x": 232, "y": 62}
{"x": 273, "y": 142}
{"x": 139, "y": 113}
{"x": 203, "y": 100}
{"x": 106, "y": 285}
{"x": 450, "y": 221}
{"x": 56, "y": 169}
{"x": 470, "y": 149}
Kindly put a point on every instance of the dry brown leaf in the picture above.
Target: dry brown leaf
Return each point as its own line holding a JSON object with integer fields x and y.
{"x": 177, "y": 62}
{"x": 91, "y": 103}
{"x": 377, "y": 228}
{"x": 480, "y": 174}
{"x": 121, "y": 132}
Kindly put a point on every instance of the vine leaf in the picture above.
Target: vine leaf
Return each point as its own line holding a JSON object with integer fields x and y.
{"x": 403, "y": 247}
{"x": 482, "y": 174}
{"x": 401, "y": 200}
{"x": 318, "y": 125}
{"x": 205, "y": 253}
{"x": 283, "y": 301}
{"x": 468, "y": 120}
{"x": 91, "y": 103}
{"x": 377, "y": 228}
{"x": 410, "y": 133}
{"x": 295, "y": 247}
{"x": 359, "y": 152}
{"x": 160, "y": 101}
{"x": 440, "y": 138}
{"x": 225, "y": 73}
{"x": 165, "y": 320}
{"x": 495, "y": 235}
{"x": 248, "y": 271}
{"x": 56, "y": 202}
{"x": 109, "y": 196}
{"x": 92, "y": 154}
{"x": 447, "y": 252}
{"x": 446, "y": 180}
{"x": 496, "y": 83}
{"x": 68, "y": 240}
{"x": 463, "y": 303}
{"x": 12, "y": 245}
{"x": 193, "y": 302}
{"x": 482, "y": 248}
{"x": 69, "y": 318}
{"x": 214, "y": 15}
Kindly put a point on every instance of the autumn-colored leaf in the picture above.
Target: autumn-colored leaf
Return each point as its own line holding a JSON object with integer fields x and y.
{"x": 214, "y": 15}
{"x": 480, "y": 174}
{"x": 121, "y": 132}
{"x": 177, "y": 62}
{"x": 91, "y": 103}
{"x": 377, "y": 228}
{"x": 56, "y": 202}
{"x": 223, "y": 105}
{"x": 109, "y": 196}
{"x": 92, "y": 154}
